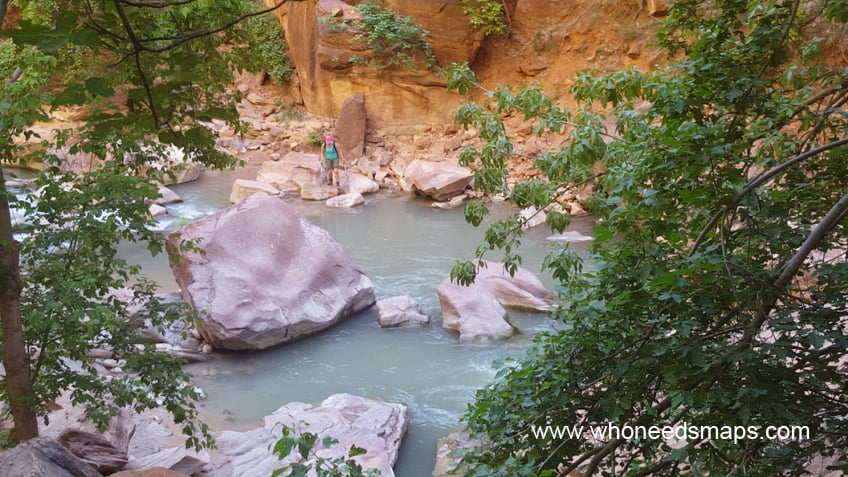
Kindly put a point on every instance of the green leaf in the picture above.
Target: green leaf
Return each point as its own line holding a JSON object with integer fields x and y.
{"x": 98, "y": 87}
{"x": 463, "y": 273}
{"x": 72, "y": 95}
{"x": 355, "y": 451}
{"x": 305, "y": 443}
{"x": 45, "y": 39}
{"x": 475, "y": 212}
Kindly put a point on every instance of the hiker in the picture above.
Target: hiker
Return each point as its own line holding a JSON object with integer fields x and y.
{"x": 331, "y": 156}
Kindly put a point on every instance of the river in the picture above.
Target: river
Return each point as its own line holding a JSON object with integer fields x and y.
{"x": 406, "y": 248}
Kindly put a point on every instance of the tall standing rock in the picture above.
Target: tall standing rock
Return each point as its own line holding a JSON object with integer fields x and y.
{"x": 266, "y": 275}
{"x": 351, "y": 128}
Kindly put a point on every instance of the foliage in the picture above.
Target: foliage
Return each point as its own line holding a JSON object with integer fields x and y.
{"x": 307, "y": 448}
{"x": 268, "y": 47}
{"x": 486, "y": 15}
{"x": 289, "y": 111}
{"x": 547, "y": 39}
{"x": 65, "y": 295}
{"x": 78, "y": 293}
{"x": 22, "y": 101}
{"x": 8, "y": 58}
{"x": 316, "y": 135}
{"x": 40, "y": 12}
{"x": 334, "y": 24}
{"x": 262, "y": 39}
{"x": 395, "y": 41}
{"x": 720, "y": 250}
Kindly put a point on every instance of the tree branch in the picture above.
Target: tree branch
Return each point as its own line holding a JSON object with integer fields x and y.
{"x": 137, "y": 48}
{"x": 4, "y": 5}
{"x": 179, "y": 40}
{"x": 758, "y": 181}
{"x": 155, "y": 4}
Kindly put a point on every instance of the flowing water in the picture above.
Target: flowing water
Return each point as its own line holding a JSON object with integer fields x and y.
{"x": 406, "y": 248}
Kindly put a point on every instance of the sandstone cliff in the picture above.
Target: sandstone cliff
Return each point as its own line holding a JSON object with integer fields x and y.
{"x": 394, "y": 98}
{"x": 549, "y": 42}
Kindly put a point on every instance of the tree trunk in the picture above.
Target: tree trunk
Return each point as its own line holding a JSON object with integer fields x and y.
{"x": 18, "y": 380}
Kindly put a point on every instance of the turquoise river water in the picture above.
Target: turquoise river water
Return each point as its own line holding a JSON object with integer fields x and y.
{"x": 406, "y": 248}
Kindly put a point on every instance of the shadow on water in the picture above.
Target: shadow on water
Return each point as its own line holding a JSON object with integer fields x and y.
{"x": 406, "y": 248}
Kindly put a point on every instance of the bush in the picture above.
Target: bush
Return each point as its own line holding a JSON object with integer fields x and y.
{"x": 487, "y": 15}
{"x": 268, "y": 44}
{"x": 394, "y": 40}
{"x": 717, "y": 297}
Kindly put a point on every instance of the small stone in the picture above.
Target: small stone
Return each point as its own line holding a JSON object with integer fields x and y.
{"x": 156, "y": 210}
{"x": 201, "y": 394}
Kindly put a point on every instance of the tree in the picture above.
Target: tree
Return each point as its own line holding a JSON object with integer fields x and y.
{"x": 62, "y": 281}
{"x": 718, "y": 300}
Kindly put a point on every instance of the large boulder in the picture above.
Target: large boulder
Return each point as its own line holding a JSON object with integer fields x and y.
{"x": 291, "y": 172}
{"x": 351, "y": 182}
{"x": 243, "y": 188}
{"x": 476, "y": 316}
{"x": 267, "y": 275}
{"x": 438, "y": 180}
{"x": 376, "y": 426}
{"x": 43, "y": 457}
{"x": 478, "y": 311}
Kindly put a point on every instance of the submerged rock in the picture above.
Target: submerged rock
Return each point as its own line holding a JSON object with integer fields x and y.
{"x": 345, "y": 200}
{"x": 400, "y": 311}
{"x": 448, "y": 453}
{"x": 267, "y": 275}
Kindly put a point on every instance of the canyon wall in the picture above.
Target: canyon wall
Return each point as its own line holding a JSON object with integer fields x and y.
{"x": 395, "y": 99}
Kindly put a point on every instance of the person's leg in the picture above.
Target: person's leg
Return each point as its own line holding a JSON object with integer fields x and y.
{"x": 329, "y": 167}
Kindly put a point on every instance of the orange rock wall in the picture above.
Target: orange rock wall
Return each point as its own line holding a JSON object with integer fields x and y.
{"x": 394, "y": 100}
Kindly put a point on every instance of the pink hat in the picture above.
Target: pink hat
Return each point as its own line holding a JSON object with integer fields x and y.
{"x": 328, "y": 139}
